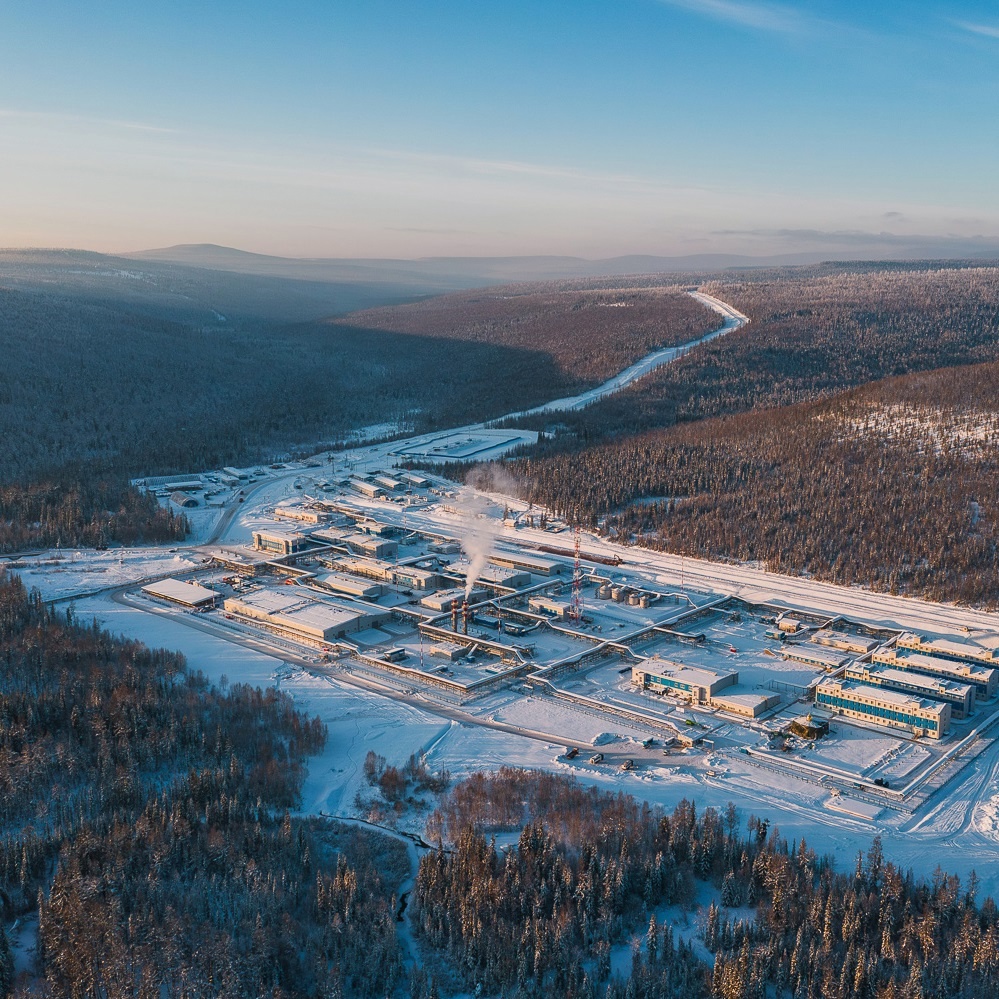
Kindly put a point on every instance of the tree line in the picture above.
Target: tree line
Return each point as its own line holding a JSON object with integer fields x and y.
{"x": 591, "y": 869}
{"x": 145, "y": 822}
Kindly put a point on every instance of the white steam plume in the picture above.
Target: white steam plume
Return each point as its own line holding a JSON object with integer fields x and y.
{"x": 479, "y": 533}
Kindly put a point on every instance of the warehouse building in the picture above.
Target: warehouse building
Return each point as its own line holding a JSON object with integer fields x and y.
{"x": 350, "y": 586}
{"x": 444, "y": 600}
{"x": 943, "y": 648}
{"x": 745, "y": 703}
{"x": 372, "y": 546}
{"x": 536, "y": 564}
{"x": 299, "y": 512}
{"x": 550, "y": 606}
{"x": 302, "y": 617}
{"x": 495, "y": 577}
{"x": 884, "y": 707}
{"x": 824, "y": 659}
{"x": 983, "y": 680}
{"x": 845, "y": 642}
{"x": 960, "y": 696}
{"x": 176, "y": 591}
{"x": 677, "y": 680}
{"x": 182, "y": 499}
{"x": 414, "y": 480}
{"x": 368, "y": 489}
{"x": 279, "y": 542}
{"x": 411, "y": 577}
{"x": 388, "y": 483}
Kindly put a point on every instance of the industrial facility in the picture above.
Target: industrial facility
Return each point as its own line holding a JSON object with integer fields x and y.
{"x": 960, "y": 696}
{"x": 297, "y": 614}
{"x": 984, "y": 680}
{"x": 879, "y": 706}
{"x": 176, "y": 591}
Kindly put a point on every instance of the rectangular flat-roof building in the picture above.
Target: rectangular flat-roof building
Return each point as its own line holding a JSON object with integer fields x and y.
{"x": 444, "y": 600}
{"x": 844, "y": 641}
{"x": 371, "y": 545}
{"x": 301, "y": 616}
{"x": 824, "y": 659}
{"x": 411, "y": 577}
{"x": 944, "y": 648}
{"x": 176, "y": 591}
{"x": 549, "y": 605}
{"x": 745, "y": 703}
{"x": 536, "y": 564}
{"x": 278, "y": 542}
{"x": 303, "y": 514}
{"x": 960, "y": 696}
{"x": 884, "y": 707}
{"x": 983, "y": 679}
{"x": 677, "y": 680}
{"x": 351, "y": 586}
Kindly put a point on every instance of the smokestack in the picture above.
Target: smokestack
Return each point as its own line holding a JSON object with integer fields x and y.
{"x": 454, "y": 616}
{"x": 464, "y": 617}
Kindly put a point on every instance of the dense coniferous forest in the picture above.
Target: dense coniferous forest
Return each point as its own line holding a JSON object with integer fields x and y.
{"x": 810, "y": 336}
{"x": 144, "y": 819}
{"x": 83, "y": 509}
{"x": 591, "y": 333}
{"x": 114, "y": 369}
{"x": 892, "y": 485}
{"x": 593, "y": 870}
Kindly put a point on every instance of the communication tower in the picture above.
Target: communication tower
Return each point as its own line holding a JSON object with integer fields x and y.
{"x": 576, "y": 601}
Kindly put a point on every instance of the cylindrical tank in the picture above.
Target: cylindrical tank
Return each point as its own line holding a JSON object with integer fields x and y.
{"x": 634, "y": 599}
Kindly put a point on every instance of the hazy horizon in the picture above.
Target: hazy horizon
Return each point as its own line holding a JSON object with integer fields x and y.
{"x": 658, "y": 127}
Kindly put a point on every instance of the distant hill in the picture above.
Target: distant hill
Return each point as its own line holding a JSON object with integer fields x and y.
{"x": 439, "y": 274}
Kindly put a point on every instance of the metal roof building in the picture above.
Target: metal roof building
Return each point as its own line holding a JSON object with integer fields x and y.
{"x": 176, "y": 591}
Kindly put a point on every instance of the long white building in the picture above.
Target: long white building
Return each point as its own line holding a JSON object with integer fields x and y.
{"x": 884, "y": 707}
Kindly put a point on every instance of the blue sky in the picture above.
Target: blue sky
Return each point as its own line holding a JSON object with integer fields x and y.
{"x": 397, "y": 128}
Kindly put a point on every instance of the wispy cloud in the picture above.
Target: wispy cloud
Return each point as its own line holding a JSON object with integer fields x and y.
{"x": 64, "y": 117}
{"x": 761, "y": 16}
{"x": 986, "y": 30}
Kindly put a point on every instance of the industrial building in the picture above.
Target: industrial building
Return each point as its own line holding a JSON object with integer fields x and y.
{"x": 536, "y": 564}
{"x": 677, "y": 680}
{"x": 279, "y": 542}
{"x": 549, "y": 605}
{"x": 389, "y": 483}
{"x": 943, "y": 648}
{"x": 444, "y": 600}
{"x": 351, "y": 586}
{"x": 745, "y": 703}
{"x": 983, "y": 680}
{"x": 176, "y": 591}
{"x": 372, "y": 546}
{"x": 960, "y": 696}
{"x": 884, "y": 707}
{"x": 299, "y": 512}
{"x": 496, "y": 577}
{"x": 845, "y": 642}
{"x": 412, "y": 479}
{"x": 368, "y": 489}
{"x": 182, "y": 499}
{"x": 412, "y": 577}
{"x": 810, "y": 656}
{"x": 301, "y": 616}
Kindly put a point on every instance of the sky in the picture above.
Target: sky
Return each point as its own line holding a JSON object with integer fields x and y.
{"x": 592, "y": 128}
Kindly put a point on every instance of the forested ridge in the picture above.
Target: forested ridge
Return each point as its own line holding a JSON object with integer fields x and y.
{"x": 114, "y": 369}
{"x": 893, "y": 485}
{"x": 144, "y": 820}
{"x": 810, "y": 336}
{"x": 591, "y": 870}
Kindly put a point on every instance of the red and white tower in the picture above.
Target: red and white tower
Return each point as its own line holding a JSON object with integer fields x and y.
{"x": 576, "y": 601}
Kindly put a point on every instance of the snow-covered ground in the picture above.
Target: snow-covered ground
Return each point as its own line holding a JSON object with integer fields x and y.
{"x": 959, "y": 827}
